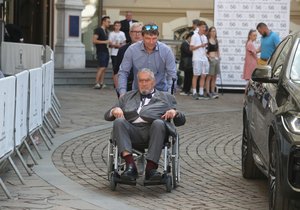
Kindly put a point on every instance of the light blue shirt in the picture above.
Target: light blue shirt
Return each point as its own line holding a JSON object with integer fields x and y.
{"x": 268, "y": 45}
{"x": 161, "y": 61}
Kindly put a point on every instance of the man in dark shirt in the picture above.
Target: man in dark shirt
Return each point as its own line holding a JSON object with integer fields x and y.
{"x": 100, "y": 39}
{"x": 125, "y": 25}
{"x": 186, "y": 64}
{"x": 13, "y": 33}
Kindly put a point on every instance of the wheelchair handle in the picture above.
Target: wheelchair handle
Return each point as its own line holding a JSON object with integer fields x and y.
{"x": 173, "y": 85}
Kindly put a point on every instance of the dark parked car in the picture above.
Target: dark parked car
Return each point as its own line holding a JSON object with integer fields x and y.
{"x": 271, "y": 125}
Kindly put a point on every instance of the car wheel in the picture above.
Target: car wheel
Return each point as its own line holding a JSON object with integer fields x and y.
{"x": 276, "y": 199}
{"x": 249, "y": 168}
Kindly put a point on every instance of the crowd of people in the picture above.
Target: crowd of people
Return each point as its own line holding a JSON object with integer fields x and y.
{"x": 200, "y": 61}
{"x": 134, "y": 46}
{"x": 200, "y": 58}
{"x": 268, "y": 43}
{"x": 145, "y": 73}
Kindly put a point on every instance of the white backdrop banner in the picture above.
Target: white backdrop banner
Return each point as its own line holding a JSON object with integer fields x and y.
{"x": 35, "y": 98}
{"x": 7, "y": 114}
{"x": 47, "y": 86}
{"x": 21, "y": 123}
{"x": 233, "y": 19}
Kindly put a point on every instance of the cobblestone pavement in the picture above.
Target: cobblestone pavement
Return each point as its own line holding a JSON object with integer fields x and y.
{"x": 210, "y": 158}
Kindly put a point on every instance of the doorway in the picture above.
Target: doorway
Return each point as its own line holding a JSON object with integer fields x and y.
{"x": 35, "y": 18}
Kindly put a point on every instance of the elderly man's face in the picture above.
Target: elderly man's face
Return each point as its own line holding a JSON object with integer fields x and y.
{"x": 136, "y": 34}
{"x": 146, "y": 83}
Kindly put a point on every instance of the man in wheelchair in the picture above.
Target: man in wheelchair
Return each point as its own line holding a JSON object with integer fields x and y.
{"x": 142, "y": 117}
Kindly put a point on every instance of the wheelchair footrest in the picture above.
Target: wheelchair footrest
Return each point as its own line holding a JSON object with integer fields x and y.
{"x": 125, "y": 181}
{"x": 154, "y": 182}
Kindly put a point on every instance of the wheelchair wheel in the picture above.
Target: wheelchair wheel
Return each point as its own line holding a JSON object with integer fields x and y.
{"x": 110, "y": 159}
{"x": 113, "y": 183}
{"x": 168, "y": 183}
{"x": 175, "y": 162}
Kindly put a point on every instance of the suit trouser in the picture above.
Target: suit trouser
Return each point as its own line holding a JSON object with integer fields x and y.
{"x": 127, "y": 134}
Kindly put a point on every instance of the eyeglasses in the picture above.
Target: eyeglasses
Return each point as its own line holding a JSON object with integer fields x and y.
{"x": 136, "y": 32}
{"x": 150, "y": 27}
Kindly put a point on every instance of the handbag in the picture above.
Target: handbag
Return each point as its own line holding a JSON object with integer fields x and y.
{"x": 186, "y": 64}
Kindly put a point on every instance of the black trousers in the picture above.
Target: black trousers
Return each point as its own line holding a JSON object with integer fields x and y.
{"x": 187, "y": 82}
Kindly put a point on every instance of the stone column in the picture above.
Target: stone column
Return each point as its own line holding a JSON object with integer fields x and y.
{"x": 69, "y": 52}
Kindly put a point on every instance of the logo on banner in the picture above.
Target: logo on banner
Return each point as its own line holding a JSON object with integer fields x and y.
{"x": 20, "y": 66}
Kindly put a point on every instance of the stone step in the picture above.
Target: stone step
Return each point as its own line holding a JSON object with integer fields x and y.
{"x": 80, "y": 76}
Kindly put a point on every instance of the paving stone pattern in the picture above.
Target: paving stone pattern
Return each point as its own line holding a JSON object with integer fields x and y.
{"x": 210, "y": 157}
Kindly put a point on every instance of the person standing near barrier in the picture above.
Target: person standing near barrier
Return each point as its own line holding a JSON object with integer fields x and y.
{"x": 135, "y": 36}
{"x": 186, "y": 64}
{"x": 148, "y": 53}
{"x": 125, "y": 25}
{"x": 268, "y": 43}
{"x": 13, "y": 33}
{"x": 200, "y": 61}
{"x": 118, "y": 40}
{"x": 213, "y": 53}
{"x": 100, "y": 39}
{"x": 250, "y": 56}
{"x": 195, "y": 25}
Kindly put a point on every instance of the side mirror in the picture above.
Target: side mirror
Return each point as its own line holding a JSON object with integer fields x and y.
{"x": 263, "y": 74}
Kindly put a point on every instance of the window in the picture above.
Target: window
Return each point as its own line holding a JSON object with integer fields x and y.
{"x": 295, "y": 70}
{"x": 279, "y": 56}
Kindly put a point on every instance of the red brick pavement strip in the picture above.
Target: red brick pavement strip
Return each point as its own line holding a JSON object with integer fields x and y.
{"x": 209, "y": 150}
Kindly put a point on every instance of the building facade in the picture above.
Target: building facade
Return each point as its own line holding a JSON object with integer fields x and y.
{"x": 67, "y": 25}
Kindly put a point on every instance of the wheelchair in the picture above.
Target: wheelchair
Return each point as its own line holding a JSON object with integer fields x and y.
{"x": 169, "y": 160}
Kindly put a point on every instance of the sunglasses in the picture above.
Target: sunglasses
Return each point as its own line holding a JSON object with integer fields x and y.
{"x": 150, "y": 27}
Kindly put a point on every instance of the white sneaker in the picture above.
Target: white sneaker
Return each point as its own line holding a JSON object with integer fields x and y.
{"x": 195, "y": 96}
{"x": 183, "y": 94}
{"x": 97, "y": 86}
{"x": 215, "y": 95}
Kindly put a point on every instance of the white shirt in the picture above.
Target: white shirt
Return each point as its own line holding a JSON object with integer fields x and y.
{"x": 200, "y": 53}
{"x": 146, "y": 102}
{"x": 116, "y": 38}
{"x": 139, "y": 119}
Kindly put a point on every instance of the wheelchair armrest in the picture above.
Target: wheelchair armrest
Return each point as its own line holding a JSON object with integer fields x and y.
{"x": 171, "y": 130}
{"x": 179, "y": 119}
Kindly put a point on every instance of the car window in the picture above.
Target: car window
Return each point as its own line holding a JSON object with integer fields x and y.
{"x": 278, "y": 57}
{"x": 295, "y": 70}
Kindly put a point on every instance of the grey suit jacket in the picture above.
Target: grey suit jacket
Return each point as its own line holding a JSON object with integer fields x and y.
{"x": 158, "y": 105}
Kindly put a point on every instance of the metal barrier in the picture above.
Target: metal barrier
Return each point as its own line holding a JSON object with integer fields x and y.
{"x": 28, "y": 104}
{"x": 16, "y": 57}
